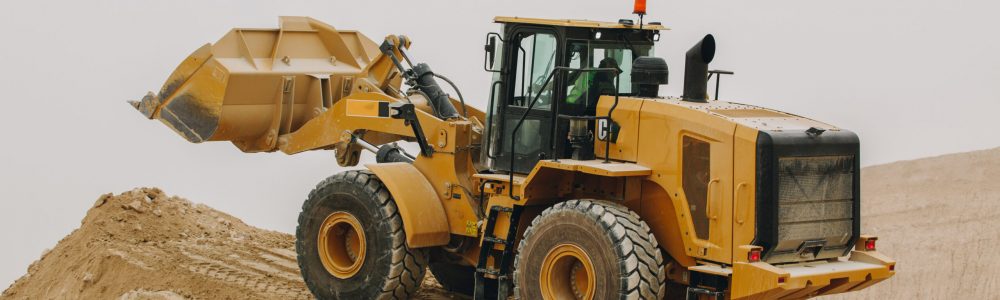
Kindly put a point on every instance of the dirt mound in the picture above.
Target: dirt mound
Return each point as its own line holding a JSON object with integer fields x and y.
{"x": 939, "y": 218}
{"x": 143, "y": 244}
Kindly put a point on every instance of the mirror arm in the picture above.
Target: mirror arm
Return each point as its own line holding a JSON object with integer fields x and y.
{"x": 490, "y": 51}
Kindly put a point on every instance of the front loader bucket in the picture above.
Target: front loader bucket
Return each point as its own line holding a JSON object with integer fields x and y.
{"x": 190, "y": 102}
{"x": 255, "y": 85}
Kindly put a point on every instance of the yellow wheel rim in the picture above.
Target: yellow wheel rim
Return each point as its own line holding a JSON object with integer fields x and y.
{"x": 567, "y": 273}
{"x": 341, "y": 244}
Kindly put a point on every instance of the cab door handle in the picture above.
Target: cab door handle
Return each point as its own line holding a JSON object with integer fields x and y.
{"x": 709, "y": 211}
{"x": 740, "y": 214}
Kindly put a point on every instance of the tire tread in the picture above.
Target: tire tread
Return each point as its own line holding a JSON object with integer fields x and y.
{"x": 408, "y": 266}
{"x": 642, "y": 263}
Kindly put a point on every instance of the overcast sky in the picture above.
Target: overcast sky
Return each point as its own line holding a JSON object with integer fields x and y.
{"x": 913, "y": 78}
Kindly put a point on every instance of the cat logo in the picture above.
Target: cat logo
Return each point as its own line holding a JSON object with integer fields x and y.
{"x": 602, "y": 129}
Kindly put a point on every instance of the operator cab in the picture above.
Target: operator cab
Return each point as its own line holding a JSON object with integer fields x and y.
{"x": 549, "y": 74}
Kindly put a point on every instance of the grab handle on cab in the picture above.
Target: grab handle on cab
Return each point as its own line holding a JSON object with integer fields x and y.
{"x": 710, "y": 203}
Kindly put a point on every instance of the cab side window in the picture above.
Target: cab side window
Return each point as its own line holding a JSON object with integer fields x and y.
{"x": 583, "y": 89}
{"x": 535, "y": 60}
{"x": 696, "y": 165}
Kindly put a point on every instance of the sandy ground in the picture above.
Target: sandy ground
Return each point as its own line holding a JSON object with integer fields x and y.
{"x": 939, "y": 218}
{"x": 936, "y": 216}
{"x": 143, "y": 244}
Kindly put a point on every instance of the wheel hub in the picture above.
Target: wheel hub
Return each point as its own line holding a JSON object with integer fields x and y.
{"x": 341, "y": 244}
{"x": 567, "y": 273}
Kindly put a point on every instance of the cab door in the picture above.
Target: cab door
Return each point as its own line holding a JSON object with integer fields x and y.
{"x": 532, "y": 53}
{"x": 706, "y": 167}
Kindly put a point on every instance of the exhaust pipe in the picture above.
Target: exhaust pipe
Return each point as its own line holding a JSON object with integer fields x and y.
{"x": 696, "y": 70}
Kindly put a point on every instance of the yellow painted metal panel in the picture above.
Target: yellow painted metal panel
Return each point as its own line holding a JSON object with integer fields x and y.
{"x": 760, "y": 280}
{"x": 364, "y": 108}
{"x": 745, "y": 187}
{"x": 626, "y": 146}
{"x": 424, "y": 218}
{"x": 663, "y": 126}
{"x": 596, "y": 167}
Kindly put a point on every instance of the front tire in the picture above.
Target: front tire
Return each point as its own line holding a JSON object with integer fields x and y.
{"x": 350, "y": 241}
{"x": 588, "y": 249}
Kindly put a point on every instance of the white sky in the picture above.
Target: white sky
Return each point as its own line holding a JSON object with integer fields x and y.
{"x": 912, "y": 78}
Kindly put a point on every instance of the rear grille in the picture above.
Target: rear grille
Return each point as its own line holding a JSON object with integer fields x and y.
{"x": 815, "y": 206}
{"x": 808, "y": 195}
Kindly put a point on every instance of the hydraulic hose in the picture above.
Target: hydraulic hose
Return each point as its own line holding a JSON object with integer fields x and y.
{"x": 422, "y": 79}
{"x": 465, "y": 112}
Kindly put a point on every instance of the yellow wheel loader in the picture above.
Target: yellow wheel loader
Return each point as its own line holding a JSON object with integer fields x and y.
{"x": 578, "y": 181}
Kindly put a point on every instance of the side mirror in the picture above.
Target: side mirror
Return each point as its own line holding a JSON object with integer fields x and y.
{"x": 491, "y": 50}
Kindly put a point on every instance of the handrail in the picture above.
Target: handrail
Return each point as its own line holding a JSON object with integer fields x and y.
{"x": 513, "y": 134}
{"x": 556, "y": 70}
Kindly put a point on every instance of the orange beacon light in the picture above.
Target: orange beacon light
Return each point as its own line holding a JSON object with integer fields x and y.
{"x": 640, "y": 7}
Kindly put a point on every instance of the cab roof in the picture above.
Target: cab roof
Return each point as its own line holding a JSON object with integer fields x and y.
{"x": 576, "y": 23}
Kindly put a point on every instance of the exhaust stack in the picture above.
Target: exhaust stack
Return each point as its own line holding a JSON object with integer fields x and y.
{"x": 696, "y": 70}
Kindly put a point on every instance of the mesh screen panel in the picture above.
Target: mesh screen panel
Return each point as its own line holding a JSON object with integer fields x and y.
{"x": 815, "y": 200}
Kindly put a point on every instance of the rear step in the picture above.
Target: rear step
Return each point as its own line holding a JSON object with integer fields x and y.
{"x": 713, "y": 285}
{"x": 694, "y": 292}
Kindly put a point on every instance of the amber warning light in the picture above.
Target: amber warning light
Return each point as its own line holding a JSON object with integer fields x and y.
{"x": 640, "y": 7}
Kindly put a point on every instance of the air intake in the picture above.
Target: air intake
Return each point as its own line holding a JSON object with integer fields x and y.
{"x": 648, "y": 73}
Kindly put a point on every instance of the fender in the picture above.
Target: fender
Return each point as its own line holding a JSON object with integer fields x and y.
{"x": 424, "y": 220}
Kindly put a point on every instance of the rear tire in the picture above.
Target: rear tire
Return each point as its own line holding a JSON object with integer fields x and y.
{"x": 388, "y": 269}
{"x": 582, "y": 249}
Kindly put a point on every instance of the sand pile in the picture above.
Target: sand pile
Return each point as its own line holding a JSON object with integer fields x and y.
{"x": 940, "y": 219}
{"x": 143, "y": 244}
